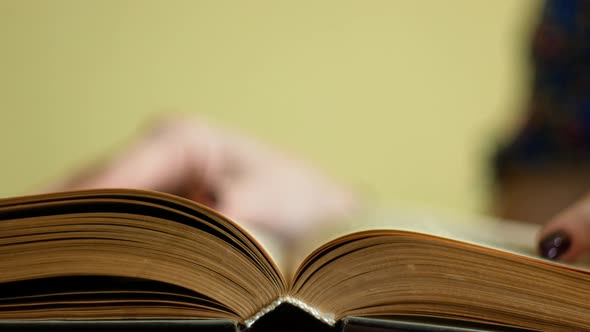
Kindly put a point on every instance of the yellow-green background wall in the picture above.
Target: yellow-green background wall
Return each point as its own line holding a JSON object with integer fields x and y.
{"x": 402, "y": 99}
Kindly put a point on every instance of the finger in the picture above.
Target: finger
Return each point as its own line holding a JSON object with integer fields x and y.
{"x": 151, "y": 164}
{"x": 567, "y": 236}
{"x": 243, "y": 203}
{"x": 284, "y": 207}
{"x": 173, "y": 157}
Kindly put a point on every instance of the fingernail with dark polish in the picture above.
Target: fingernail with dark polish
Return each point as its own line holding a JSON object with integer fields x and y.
{"x": 554, "y": 245}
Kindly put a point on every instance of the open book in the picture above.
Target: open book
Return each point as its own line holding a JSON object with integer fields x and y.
{"x": 130, "y": 254}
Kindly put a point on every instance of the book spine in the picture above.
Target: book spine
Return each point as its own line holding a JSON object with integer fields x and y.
{"x": 327, "y": 318}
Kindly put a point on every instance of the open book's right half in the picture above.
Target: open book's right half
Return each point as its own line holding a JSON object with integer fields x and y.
{"x": 384, "y": 272}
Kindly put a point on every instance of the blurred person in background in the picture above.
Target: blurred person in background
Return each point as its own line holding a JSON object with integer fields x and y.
{"x": 543, "y": 173}
{"x": 539, "y": 173}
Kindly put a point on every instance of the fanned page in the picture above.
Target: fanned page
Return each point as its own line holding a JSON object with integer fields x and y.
{"x": 460, "y": 269}
{"x": 108, "y": 254}
{"x": 510, "y": 236}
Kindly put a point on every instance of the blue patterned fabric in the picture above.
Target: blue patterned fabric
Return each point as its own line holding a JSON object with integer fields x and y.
{"x": 557, "y": 124}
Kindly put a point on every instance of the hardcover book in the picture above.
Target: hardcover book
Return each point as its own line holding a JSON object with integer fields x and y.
{"x": 120, "y": 255}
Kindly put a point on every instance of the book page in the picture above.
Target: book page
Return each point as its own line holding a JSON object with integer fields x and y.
{"x": 274, "y": 243}
{"x": 503, "y": 235}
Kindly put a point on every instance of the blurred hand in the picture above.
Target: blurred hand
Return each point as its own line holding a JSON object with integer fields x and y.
{"x": 243, "y": 179}
{"x": 567, "y": 236}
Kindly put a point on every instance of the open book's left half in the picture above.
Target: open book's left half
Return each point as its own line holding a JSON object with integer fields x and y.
{"x": 110, "y": 254}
